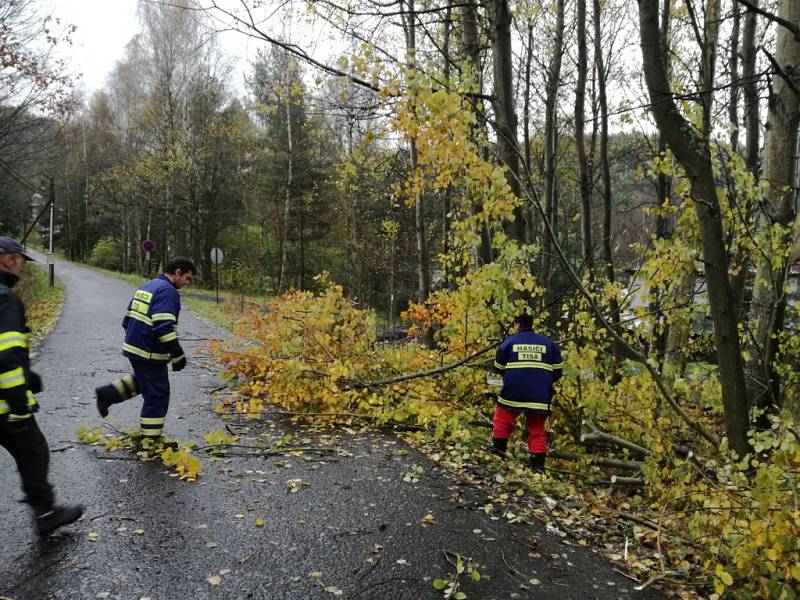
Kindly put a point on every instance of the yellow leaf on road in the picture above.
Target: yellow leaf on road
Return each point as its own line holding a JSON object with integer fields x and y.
{"x": 429, "y": 518}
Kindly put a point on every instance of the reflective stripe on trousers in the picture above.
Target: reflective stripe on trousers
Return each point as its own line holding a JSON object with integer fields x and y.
{"x": 153, "y": 381}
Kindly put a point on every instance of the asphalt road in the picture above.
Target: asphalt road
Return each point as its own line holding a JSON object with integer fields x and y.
{"x": 353, "y": 528}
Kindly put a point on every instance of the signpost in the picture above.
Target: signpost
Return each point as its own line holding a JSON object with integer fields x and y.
{"x": 51, "y": 267}
{"x": 148, "y": 246}
{"x": 216, "y": 258}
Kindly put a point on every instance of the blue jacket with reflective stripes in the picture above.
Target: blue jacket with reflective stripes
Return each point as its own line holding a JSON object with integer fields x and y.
{"x": 530, "y": 364}
{"x": 151, "y": 322}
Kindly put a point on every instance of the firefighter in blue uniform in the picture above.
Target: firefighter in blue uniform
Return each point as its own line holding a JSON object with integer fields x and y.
{"x": 530, "y": 363}
{"x": 19, "y": 432}
{"x": 151, "y": 344}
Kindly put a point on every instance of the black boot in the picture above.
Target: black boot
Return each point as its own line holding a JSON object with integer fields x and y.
{"x": 499, "y": 446}
{"x": 114, "y": 392}
{"x": 537, "y": 462}
{"x": 48, "y": 519}
{"x": 105, "y": 398}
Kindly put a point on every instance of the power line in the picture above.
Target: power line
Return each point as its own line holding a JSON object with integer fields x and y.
{"x": 29, "y": 186}
{"x": 19, "y": 178}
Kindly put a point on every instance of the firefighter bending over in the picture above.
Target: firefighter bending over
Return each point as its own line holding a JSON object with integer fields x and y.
{"x": 530, "y": 364}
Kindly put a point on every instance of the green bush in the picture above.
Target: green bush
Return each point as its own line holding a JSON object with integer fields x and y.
{"x": 107, "y": 254}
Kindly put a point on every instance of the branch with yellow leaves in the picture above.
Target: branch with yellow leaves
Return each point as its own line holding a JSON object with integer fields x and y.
{"x": 429, "y": 373}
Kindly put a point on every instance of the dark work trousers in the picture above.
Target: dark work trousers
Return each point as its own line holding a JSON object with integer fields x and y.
{"x": 153, "y": 381}
{"x": 27, "y": 444}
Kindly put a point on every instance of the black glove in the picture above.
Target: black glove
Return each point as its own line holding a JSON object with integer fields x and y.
{"x": 178, "y": 357}
{"x": 34, "y": 382}
{"x": 178, "y": 362}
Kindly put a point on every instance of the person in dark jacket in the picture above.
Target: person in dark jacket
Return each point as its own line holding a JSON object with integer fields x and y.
{"x": 530, "y": 363}
{"x": 151, "y": 344}
{"x": 19, "y": 432}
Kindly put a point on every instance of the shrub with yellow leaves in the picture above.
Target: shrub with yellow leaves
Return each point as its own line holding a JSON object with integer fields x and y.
{"x": 187, "y": 465}
{"x": 317, "y": 352}
{"x": 746, "y": 515}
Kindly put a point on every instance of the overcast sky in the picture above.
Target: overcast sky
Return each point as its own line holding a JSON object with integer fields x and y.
{"x": 106, "y": 26}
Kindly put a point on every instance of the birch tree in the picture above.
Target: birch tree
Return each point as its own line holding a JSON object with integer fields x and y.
{"x": 776, "y": 223}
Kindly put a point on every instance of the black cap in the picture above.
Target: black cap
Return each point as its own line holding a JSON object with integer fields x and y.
{"x": 10, "y": 246}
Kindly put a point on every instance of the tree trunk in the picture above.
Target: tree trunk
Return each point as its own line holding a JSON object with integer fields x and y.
{"x": 125, "y": 240}
{"x": 550, "y": 153}
{"x": 733, "y": 67}
{"x": 526, "y": 110}
{"x": 301, "y": 250}
{"x": 677, "y": 342}
{"x": 470, "y": 36}
{"x": 447, "y": 280}
{"x": 675, "y": 357}
{"x": 752, "y": 126}
{"x": 664, "y": 183}
{"x": 580, "y": 142}
{"x": 740, "y": 258}
{"x": 750, "y": 88}
{"x": 423, "y": 273}
{"x": 663, "y": 224}
{"x": 708, "y": 63}
{"x": 392, "y": 260}
{"x": 693, "y": 153}
{"x": 505, "y": 112}
{"x": 287, "y": 202}
{"x": 608, "y": 256}
{"x": 780, "y": 142}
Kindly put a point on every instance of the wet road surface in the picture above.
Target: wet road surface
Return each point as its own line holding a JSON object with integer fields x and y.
{"x": 352, "y": 527}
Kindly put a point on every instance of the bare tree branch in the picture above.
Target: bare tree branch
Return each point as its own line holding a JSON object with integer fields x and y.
{"x": 793, "y": 27}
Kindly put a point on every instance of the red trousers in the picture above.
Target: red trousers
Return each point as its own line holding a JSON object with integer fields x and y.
{"x": 504, "y": 424}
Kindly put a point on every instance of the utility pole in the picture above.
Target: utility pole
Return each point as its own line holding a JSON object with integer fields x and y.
{"x": 50, "y": 266}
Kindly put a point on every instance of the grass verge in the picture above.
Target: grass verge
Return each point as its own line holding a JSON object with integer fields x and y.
{"x": 230, "y": 309}
{"x": 200, "y": 301}
{"x": 42, "y": 303}
{"x": 131, "y": 278}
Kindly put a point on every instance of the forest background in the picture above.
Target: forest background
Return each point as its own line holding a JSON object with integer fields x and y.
{"x": 627, "y": 171}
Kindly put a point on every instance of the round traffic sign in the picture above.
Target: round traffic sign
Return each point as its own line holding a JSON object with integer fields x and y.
{"x": 148, "y": 245}
{"x": 216, "y": 256}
